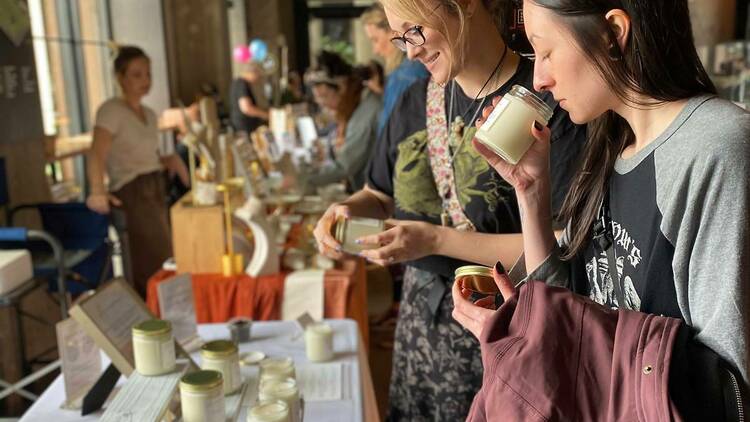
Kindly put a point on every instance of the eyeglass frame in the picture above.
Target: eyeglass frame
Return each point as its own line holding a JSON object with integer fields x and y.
{"x": 400, "y": 42}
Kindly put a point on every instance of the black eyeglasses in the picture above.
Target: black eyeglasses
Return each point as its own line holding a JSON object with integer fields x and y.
{"x": 413, "y": 36}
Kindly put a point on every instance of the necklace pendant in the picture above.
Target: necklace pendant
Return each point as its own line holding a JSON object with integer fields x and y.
{"x": 457, "y": 127}
{"x": 445, "y": 219}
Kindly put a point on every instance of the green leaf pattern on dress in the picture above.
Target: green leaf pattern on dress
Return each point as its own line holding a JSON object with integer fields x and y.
{"x": 468, "y": 166}
{"x": 414, "y": 186}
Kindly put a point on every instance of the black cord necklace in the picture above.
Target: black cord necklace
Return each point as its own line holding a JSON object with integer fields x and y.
{"x": 457, "y": 126}
{"x": 462, "y": 117}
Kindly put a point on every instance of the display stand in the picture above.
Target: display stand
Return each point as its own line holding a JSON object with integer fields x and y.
{"x": 108, "y": 317}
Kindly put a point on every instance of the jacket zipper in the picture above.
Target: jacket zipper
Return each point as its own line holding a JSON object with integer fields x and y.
{"x": 738, "y": 395}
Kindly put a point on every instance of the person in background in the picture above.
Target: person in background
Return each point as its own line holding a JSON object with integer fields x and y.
{"x": 374, "y": 77}
{"x": 294, "y": 92}
{"x": 400, "y": 72}
{"x": 245, "y": 114}
{"x": 211, "y": 91}
{"x": 339, "y": 88}
{"x": 124, "y": 149}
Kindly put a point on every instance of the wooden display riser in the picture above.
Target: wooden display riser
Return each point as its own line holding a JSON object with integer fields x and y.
{"x": 197, "y": 236}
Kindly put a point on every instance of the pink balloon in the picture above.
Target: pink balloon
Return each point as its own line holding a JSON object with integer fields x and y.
{"x": 241, "y": 54}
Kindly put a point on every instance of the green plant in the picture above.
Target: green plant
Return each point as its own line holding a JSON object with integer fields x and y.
{"x": 342, "y": 48}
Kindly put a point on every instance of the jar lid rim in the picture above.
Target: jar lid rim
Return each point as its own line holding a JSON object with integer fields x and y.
{"x": 479, "y": 270}
{"x": 201, "y": 380}
{"x": 152, "y": 327}
{"x": 218, "y": 348}
{"x": 531, "y": 98}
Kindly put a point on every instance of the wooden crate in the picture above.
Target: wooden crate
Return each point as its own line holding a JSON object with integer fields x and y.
{"x": 197, "y": 236}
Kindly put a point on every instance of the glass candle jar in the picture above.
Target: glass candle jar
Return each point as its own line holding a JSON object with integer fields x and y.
{"x": 276, "y": 368}
{"x": 223, "y": 356}
{"x": 479, "y": 281}
{"x": 153, "y": 347}
{"x": 276, "y": 411}
{"x": 285, "y": 390}
{"x": 507, "y": 130}
{"x": 202, "y": 397}
{"x": 319, "y": 342}
{"x": 347, "y": 230}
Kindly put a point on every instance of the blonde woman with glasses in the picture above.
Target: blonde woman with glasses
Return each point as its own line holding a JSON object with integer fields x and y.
{"x": 447, "y": 207}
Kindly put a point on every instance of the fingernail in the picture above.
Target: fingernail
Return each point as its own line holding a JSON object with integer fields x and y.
{"x": 499, "y": 268}
{"x": 338, "y": 248}
{"x": 358, "y": 241}
{"x": 538, "y": 125}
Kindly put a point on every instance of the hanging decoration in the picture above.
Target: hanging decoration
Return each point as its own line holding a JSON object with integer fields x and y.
{"x": 241, "y": 54}
{"x": 258, "y": 50}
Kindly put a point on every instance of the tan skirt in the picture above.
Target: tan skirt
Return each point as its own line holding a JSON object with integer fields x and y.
{"x": 150, "y": 244}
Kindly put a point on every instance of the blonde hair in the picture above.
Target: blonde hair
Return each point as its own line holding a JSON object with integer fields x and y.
{"x": 375, "y": 16}
{"x": 425, "y": 12}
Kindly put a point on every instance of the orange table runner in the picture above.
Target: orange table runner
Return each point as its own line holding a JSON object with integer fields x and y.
{"x": 218, "y": 298}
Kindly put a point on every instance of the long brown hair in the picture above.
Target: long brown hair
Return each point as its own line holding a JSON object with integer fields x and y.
{"x": 659, "y": 62}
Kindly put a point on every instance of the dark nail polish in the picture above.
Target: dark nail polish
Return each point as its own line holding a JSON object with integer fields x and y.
{"x": 538, "y": 126}
{"x": 499, "y": 268}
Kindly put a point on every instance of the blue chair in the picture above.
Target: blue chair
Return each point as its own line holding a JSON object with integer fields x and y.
{"x": 84, "y": 236}
{"x": 82, "y": 233}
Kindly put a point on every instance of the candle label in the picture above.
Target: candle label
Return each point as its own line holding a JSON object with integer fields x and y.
{"x": 499, "y": 108}
{"x": 167, "y": 353}
{"x": 369, "y": 222}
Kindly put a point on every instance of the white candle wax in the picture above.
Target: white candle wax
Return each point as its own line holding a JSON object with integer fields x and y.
{"x": 319, "y": 342}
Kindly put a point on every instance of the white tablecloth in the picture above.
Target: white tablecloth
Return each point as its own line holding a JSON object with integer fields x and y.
{"x": 275, "y": 339}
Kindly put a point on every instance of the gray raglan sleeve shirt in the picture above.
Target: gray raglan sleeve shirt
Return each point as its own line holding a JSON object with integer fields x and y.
{"x": 702, "y": 173}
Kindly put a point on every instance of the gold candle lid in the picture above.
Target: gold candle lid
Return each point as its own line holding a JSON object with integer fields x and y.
{"x": 203, "y": 380}
{"x": 218, "y": 349}
{"x": 473, "y": 270}
{"x": 477, "y": 278}
{"x": 339, "y": 231}
{"x": 152, "y": 327}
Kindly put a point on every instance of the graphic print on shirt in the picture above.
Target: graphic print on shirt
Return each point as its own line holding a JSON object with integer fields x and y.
{"x": 597, "y": 269}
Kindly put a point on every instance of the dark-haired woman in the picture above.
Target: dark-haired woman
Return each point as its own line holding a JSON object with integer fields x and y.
{"x": 664, "y": 178}
{"x": 125, "y": 150}
{"x": 339, "y": 88}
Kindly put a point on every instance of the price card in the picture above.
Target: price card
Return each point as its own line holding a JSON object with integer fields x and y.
{"x": 176, "y": 306}
{"x": 81, "y": 361}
